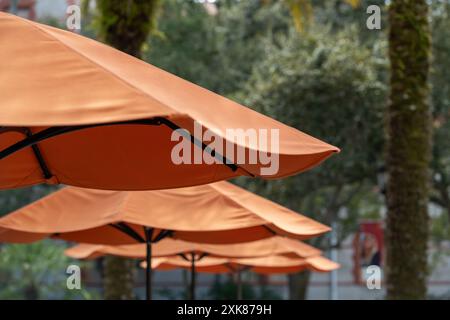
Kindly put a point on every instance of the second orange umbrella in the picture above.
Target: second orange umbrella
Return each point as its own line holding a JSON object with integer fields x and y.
{"x": 216, "y": 213}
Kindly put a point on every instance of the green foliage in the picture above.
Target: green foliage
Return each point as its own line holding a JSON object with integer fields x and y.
{"x": 317, "y": 83}
{"x": 339, "y": 15}
{"x": 185, "y": 45}
{"x": 36, "y": 271}
{"x": 440, "y": 97}
{"x": 215, "y": 51}
{"x": 440, "y": 229}
{"x": 330, "y": 86}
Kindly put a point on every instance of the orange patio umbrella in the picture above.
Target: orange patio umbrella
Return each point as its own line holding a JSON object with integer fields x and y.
{"x": 194, "y": 252}
{"x": 215, "y": 213}
{"x": 275, "y": 245}
{"x": 219, "y": 212}
{"x": 274, "y": 264}
{"x": 264, "y": 265}
{"x": 78, "y": 112}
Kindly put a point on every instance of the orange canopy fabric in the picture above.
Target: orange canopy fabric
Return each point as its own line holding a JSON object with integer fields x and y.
{"x": 57, "y": 87}
{"x": 215, "y": 213}
{"x": 170, "y": 247}
{"x": 263, "y": 265}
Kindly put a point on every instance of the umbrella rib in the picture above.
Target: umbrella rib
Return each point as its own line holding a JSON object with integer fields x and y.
{"x": 194, "y": 258}
{"x": 183, "y": 255}
{"x": 148, "y": 234}
{"x": 36, "y": 150}
{"x": 124, "y": 228}
{"x": 163, "y": 234}
{"x": 201, "y": 256}
{"x": 56, "y": 131}
{"x": 269, "y": 229}
{"x": 203, "y": 146}
{"x": 33, "y": 139}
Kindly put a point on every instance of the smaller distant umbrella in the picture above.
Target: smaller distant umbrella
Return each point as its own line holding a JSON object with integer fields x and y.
{"x": 215, "y": 213}
{"x": 275, "y": 245}
{"x": 264, "y": 265}
{"x": 195, "y": 252}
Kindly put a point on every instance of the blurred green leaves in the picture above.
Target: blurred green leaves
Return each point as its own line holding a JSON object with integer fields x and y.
{"x": 36, "y": 271}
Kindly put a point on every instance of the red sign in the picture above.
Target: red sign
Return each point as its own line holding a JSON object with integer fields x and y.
{"x": 367, "y": 248}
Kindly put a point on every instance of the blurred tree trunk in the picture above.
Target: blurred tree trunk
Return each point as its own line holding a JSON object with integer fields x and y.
{"x": 408, "y": 150}
{"x": 118, "y": 280}
{"x": 31, "y": 292}
{"x": 125, "y": 25}
{"x": 298, "y": 285}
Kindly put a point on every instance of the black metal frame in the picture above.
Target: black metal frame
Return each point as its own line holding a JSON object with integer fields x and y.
{"x": 148, "y": 239}
{"x": 124, "y": 228}
{"x": 31, "y": 140}
{"x": 238, "y": 272}
{"x": 37, "y": 152}
{"x": 270, "y": 230}
{"x": 193, "y": 259}
{"x": 148, "y": 255}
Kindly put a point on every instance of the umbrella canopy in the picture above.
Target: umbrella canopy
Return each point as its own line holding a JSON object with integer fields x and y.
{"x": 263, "y": 265}
{"x": 170, "y": 247}
{"x": 215, "y": 213}
{"x": 78, "y": 112}
{"x": 193, "y": 253}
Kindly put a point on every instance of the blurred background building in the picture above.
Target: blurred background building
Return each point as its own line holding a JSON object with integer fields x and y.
{"x": 38, "y": 9}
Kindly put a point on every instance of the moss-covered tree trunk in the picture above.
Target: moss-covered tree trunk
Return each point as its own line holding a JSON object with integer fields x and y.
{"x": 125, "y": 25}
{"x": 408, "y": 150}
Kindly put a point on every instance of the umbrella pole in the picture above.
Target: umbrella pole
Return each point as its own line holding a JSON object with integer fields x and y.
{"x": 239, "y": 284}
{"x": 148, "y": 288}
{"x": 193, "y": 275}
